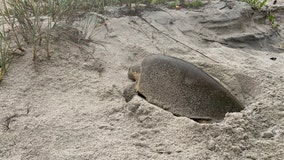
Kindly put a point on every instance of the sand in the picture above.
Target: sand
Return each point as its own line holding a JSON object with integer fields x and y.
{"x": 71, "y": 106}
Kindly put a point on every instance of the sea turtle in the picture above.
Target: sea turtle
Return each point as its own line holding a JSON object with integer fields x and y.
{"x": 182, "y": 88}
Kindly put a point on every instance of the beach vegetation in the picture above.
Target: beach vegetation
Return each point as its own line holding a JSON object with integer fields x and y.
{"x": 256, "y": 4}
{"x": 271, "y": 19}
{"x": 193, "y": 3}
{"x": 5, "y": 54}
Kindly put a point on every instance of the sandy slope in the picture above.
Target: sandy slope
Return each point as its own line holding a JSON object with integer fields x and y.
{"x": 71, "y": 107}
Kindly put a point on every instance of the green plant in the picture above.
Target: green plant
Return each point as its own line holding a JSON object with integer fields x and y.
{"x": 271, "y": 19}
{"x": 93, "y": 5}
{"x": 5, "y": 61}
{"x": 256, "y": 4}
{"x": 193, "y": 4}
{"x": 89, "y": 24}
{"x": 181, "y": 1}
{"x": 11, "y": 20}
{"x": 159, "y": 1}
{"x": 172, "y": 5}
{"x": 134, "y": 4}
{"x": 5, "y": 58}
{"x": 32, "y": 21}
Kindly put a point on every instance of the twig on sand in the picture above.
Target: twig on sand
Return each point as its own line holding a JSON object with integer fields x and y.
{"x": 5, "y": 122}
{"x": 167, "y": 35}
{"x": 212, "y": 40}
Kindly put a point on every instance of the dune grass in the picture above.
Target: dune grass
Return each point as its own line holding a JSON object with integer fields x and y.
{"x": 256, "y": 4}
{"x": 32, "y": 21}
{"x": 29, "y": 24}
{"x": 5, "y": 57}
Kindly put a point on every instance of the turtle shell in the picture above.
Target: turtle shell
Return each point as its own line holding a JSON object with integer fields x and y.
{"x": 184, "y": 89}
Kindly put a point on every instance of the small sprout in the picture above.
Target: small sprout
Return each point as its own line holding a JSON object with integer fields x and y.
{"x": 172, "y": 5}
{"x": 271, "y": 19}
{"x": 256, "y": 4}
{"x": 193, "y": 3}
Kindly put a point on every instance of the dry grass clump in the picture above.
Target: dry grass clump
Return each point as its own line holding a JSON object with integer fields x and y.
{"x": 30, "y": 23}
{"x": 4, "y": 56}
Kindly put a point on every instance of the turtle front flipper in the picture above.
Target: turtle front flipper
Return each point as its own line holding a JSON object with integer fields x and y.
{"x": 129, "y": 92}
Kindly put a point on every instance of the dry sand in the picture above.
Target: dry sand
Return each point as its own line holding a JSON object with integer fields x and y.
{"x": 71, "y": 106}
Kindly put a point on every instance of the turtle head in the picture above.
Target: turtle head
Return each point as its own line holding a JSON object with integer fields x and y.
{"x": 134, "y": 72}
